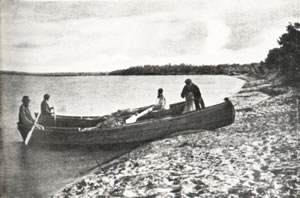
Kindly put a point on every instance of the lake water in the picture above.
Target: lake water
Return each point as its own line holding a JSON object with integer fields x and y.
{"x": 39, "y": 171}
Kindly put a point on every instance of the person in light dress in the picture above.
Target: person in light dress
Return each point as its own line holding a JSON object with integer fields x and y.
{"x": 189, "y": 103}
{"x": 161, "y": 102}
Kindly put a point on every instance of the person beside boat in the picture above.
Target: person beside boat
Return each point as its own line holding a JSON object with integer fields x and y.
{"x": 161, "y": 102}
{"x": 46, "y": 116}
{"x": 25, "y": 116}
{"x": 189, "y": 103}
{"x": 190, "y": 87}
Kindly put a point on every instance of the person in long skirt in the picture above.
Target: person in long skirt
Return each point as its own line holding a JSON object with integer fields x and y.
{"x": 47, "y": 117}
{"x": 189, "y": 103}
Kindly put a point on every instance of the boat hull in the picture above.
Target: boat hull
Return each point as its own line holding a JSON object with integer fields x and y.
{"x": 145, "y": 130}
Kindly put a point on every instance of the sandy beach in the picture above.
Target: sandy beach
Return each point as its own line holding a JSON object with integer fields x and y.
{"x": 257, "y": 156}
{"x": 98, "y": 57}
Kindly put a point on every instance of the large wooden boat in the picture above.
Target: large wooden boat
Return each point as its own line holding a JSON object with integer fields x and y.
{"x": 157, "y": 124}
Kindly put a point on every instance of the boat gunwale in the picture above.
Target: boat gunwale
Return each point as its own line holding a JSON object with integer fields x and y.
{"x": 85, "y": 117}
{"x": 128, "y": 126}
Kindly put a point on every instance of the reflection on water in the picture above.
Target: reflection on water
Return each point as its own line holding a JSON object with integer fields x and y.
{"x": 24, "y": 181}
{"x": 36, "y": 171}
{"x": 40, "y": 169}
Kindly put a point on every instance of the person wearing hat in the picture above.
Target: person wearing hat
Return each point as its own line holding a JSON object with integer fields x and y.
{"x": 25, "y": 116}
{"x": 194, "y": 89}
{"x": 46, "y": 117}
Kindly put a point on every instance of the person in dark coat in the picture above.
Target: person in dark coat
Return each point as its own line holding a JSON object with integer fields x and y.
{"x": 46, "y": 117}
{"x": 194, "y": 89}
{"x": 25, "y": 116}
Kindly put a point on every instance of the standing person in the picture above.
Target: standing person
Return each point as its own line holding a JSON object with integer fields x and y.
{"x": 194, "y": 89}
{"x": 189, "y": 103}
{"x": 46, "y": 117}
{"x": 161, "y": 100}
{"x": 25, "y": 116}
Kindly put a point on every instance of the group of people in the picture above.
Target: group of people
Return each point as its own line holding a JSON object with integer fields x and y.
{"x": 190, "y": 92}
{"x": 46, "y": 115}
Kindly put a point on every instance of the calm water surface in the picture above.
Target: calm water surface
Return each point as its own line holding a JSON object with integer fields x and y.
{"x": 39, "y": 171}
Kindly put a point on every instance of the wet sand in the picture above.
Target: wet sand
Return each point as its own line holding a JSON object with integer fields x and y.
{"x": 257, "y": 156}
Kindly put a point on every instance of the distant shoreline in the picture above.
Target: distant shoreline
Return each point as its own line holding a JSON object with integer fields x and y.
{"x": 70, "y": 74}
{"x": 181, "y": 69}
{"x": 54, "y": 74}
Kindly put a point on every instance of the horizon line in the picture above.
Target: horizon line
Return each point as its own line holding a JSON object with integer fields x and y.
{"x": 71, "y": 73}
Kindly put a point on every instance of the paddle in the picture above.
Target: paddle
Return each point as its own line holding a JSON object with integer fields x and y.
{"x": 133, "y": 118}
{"x": 31, "y": 131}
{"x": 54, "y": 119}
{"x": 54, "y": 116}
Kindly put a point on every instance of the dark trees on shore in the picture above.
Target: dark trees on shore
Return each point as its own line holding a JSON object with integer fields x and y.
{"x": 286, "y": 58}
{"x": 186, "y": 69}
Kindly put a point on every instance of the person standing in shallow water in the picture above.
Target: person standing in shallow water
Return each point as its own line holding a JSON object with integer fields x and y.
{"x": 46, "y": 117}
{"x": 25, "y": 116}
{"x": 194, "y": 89}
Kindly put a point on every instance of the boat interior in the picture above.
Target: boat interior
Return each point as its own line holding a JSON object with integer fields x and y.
{"x": 62, "y": 121}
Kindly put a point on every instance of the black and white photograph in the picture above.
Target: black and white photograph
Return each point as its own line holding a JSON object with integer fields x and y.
{"x": 150, "y": 98}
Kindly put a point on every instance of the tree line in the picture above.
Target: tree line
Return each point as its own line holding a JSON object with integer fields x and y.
{"x": 285, "y": 59}
{"x": 187, "y": 69}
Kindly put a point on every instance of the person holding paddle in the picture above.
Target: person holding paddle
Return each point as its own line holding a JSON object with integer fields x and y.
{"x": 25, "y": 116}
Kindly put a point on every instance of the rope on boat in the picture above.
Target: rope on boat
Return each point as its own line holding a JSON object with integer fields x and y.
{"x": 98, "y": 164}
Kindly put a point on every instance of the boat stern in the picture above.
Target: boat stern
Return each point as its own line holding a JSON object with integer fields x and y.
{"x": 230, "y": 105}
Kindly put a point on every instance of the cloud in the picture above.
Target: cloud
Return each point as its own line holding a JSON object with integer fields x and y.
{"x": 107, "y": 35}
{"x": 24, "y": 45}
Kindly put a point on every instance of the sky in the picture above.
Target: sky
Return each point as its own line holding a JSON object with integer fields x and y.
{"x": 105, "y": 35}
